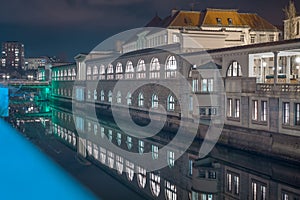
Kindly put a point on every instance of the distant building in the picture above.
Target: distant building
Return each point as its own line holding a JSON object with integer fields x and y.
{"x": 13, "y": 55}
{"x": 34, "y": 63}
{"x": 294, "y": 25}
{"x": 212, "y": 28}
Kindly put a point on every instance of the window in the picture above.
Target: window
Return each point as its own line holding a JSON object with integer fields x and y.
{"x": 229, "y": 107}
{"x": 141, "y": 147}
{"x": 232, "y": 183}
{"x": 141, "y": 70}
{"x": 155, "y": 184}
{"x": 109, "y": 135}
{"x": 141, "y": 100}
{"x": 102, "y": 155}
{"x": 102, "y": 132}
{"x": 154, "y": 151}
{"x": 141, "y": 176}
{"x": 129, "y": 71}
{"x": 102, "y": 72}
{"x": 254, "y": 110}
{"x": 95, "y": 94}
{"x": 195, "y": 85}
{"x": 258, "y": 190}
{"x": 271, "y": 37}
{"x": 119, "y": 139}
{"x": 171, "y": 103}
{"x": 219, "y": 21}
{"x": 286, "y": 113}
{"x": 237, "y": 108}
{"x": 110, "y": 159}
{"x": 129, "y": 142}
{"x": 171, "y": 158}
{"x": 207, "y": 85}
{"x": 109, "y": 96}
{"x": 154, "y": 101}
{"x": 95, "y": 73}
{"x": 264, "y": 111}
{"x": 102, "y": 95}
{"x": 119, "y": 71}
{"x": 119, "y": 164}
{"x": 297, "y": 114}
{"x": 129, "y": 170}
{"x": 171, "y": 67}
{"x": 154, "y": 69}
{"x": 229, "y": 21}
{"x": 128, "y": 97}
{"x": 252, "y": 39}
{"x": 119, "y": 97}
{"x": 110, "y": 72}
{"x": 170, "y": 190}
{"x": 234, "y": 69}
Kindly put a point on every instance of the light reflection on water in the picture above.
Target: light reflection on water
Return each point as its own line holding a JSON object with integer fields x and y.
{"x": 224, "y": 174}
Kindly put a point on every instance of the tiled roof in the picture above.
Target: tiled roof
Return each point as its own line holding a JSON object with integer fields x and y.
{"x": 197, "y": 19}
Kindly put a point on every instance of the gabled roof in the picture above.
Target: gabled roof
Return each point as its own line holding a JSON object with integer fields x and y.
{"x": 186, "y": 18}
{"x": 224, "y": 15}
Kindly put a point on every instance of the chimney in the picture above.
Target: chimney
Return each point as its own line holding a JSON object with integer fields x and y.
{"x": 173, "y": 12}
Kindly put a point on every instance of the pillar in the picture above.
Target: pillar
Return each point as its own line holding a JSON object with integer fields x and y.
{"x": 275, "y": 67}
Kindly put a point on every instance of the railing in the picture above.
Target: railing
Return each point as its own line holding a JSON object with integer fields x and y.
{"x": 278, "y": 88}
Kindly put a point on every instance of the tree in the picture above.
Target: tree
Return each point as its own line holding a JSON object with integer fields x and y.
{"x": 290, "y": 24}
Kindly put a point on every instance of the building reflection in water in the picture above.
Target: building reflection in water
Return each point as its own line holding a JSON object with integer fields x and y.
{"x": 224, "y": 174}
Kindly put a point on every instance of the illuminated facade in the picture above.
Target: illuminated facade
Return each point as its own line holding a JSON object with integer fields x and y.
{"x": 13, "y": 55}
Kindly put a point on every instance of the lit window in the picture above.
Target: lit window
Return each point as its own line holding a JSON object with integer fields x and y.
{"x": 171, "y": 191}
{"x": 154, "y": 101}
{"x": 195, "y": 85}
{"x": 237, "y": 108}
{"x": 102, "y": 155}
{"x": 129, "y": 142}
{"x": 286, "y": 113}
{"x": 264, "y": 111}
{"x": 297, "y": 114}
{"x": 141, "y": 70}
{"x": 119, "y": 71}
{"x": 102, "y": 95}
{"x": 171, "y": 158}
{"x": 102, "y": 132}
{"x": 129, "y": 170}
{"x": 154, "y": 152}
{"x": 110, "y": 72}
{"x": 171, "y": 103}
{"x": 128, "y": 98}
{"x": 102, "y": 72}
{"x": 233, "y": 183}
{"x": 109, "y": 135}
{"x": 129, "y": 71}
{"x": 234, "y": 69}
{"x": 95, "y": 94}
{"x": 155, "y": 184}
{"x": 254, "y": 110}
{"x": 141, "y": 176}
{"x": 141, "y": 147}
{"x": 119, "y": 164}
{"x": 229, "y": 107}
{"x": 141, "y": 100}
{"x": 171, "y": 67}
{"x": 207, "y": 85}
{"x": 110, "y": 159}
{"x": 119, "y": 138}
{"x": 109, "y": 96}
{"x": 119, "y": 97}
{"x": 154, "y": 68}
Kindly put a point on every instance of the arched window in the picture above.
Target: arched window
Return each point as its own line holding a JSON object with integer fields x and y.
{"x": 119, "y": 164}
{"x": 119, "y": 97}
{"x": 170, "y": 191}
{"x": 234, "y": 69}
{"x": 171, "y": 67}
{"x": 95, "y": 94}
{"x": 129, "y": 142}
{"x": 128, "y": 97}
{"x": 69, "y": 74}
{"x": 102, "y": 72}
{"x": 141, "y": 70}
{"x": 154, "y": 68}
{"x": 95, "y": 73}
{"x": 119, "y": 71}
{"x": 109, "y": 96}
{"x": 155, "y": 184}
{"x": 88, "y": 73}
{"x": 141, "y": 177}
{"x": 141, "y": 146}
{"x": 102, "y": 95}
{"x": 110, "y": 72}
{"x": 154, "y": 101}
{"x": 129, "y": 170}
{"x": 129, "y": 71}
{"x": 171, "y": 103}
{"x": 141, "y": 100}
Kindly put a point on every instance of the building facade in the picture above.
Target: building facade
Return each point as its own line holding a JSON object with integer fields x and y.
{"x": 13, "y": 55}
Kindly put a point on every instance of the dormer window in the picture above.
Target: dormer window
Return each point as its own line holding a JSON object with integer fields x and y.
{"x": 229, "y": 21}
{"x": 219, "y": 21}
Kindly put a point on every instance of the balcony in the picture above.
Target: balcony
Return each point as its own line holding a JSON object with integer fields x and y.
{"x": 279, "y": 88}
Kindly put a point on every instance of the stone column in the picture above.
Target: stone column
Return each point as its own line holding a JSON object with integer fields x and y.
{"x": 276, "y": 67}
{"x": 288, "y": 68}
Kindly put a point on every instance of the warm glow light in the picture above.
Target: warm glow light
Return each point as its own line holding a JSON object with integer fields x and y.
{"x": 264, "y": 64}
{"x": 297, "y": 60}
{"x": 297, "y": 67}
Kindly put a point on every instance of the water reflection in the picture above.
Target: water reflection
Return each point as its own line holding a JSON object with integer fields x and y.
{"x": 224, "y": 174}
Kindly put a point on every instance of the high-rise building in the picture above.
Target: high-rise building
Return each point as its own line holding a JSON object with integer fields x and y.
{"x": 13, "y": 55}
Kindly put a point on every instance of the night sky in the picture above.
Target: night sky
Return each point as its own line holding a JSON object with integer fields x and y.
{"x": 67, "y": 27}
